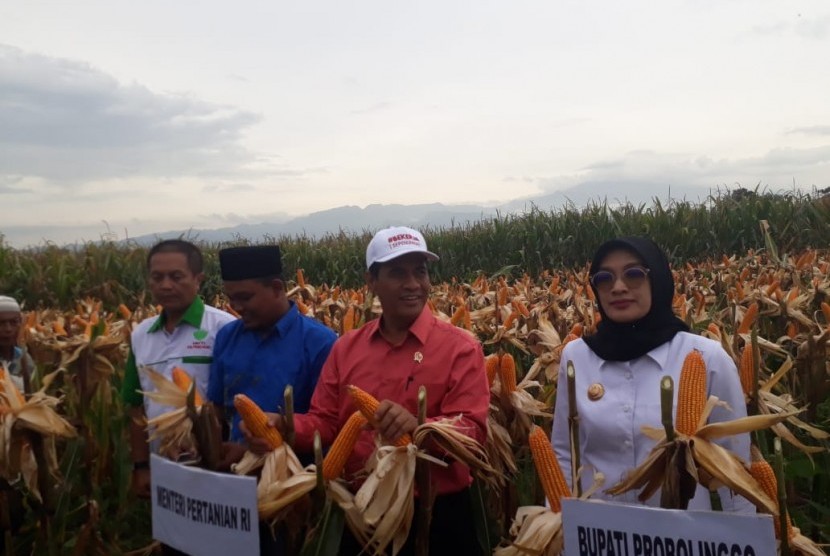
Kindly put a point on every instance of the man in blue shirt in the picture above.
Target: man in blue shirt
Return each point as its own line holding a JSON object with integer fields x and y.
{"x": 270, "y": 346}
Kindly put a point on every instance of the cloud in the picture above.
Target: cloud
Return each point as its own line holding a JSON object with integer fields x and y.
{"x": 371, "y": 109}
{"x": 812, "y": 130}
{"x": 817, "y": 28}
{"x": 229, "y": 188}
{"x": 778, "y": 168}
{"x": 814, "y": 28}
{"x": 66, "y": 121}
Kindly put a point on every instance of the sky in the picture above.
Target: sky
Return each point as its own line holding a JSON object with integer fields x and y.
{"x": 131, "y": 118}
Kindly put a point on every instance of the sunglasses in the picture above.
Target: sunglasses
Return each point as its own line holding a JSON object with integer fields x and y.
{"x": 632, "y": 277}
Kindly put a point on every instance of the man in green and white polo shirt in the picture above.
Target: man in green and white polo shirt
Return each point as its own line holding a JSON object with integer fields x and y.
{"x": 182, "y": 336}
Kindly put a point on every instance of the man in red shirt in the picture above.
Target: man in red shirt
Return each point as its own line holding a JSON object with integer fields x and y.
{"x": 391, "y": 358}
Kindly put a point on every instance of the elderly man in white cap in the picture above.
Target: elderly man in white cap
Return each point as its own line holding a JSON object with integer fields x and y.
{"x": 13, "y": 358}
{"x": 390, "y": 358}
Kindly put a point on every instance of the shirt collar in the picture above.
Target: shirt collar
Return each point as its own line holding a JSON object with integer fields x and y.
{"x": 659, "y": 355}
{"x": 420, "y": 328}
{"x": 282, "y": 326}
{"x": 192, "y": 316}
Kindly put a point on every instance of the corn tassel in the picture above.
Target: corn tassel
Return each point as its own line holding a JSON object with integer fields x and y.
{"x": 342, "y": 447}
{"x": 547, "y": 468}
{"x": 368, "y": 406}
{"x": 256, "y": 421}
{"x": 507, "y": 373}
{"x": 691, "y": 393}
{"x": 183, "y": 381}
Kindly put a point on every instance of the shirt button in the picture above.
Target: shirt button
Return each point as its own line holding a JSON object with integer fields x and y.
{"x": 629, "y": 375}
{"x": 626, "y": 408}
{"x": 627, "y": 443}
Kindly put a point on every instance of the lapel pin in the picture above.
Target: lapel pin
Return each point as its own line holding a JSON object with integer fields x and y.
{"x": 595, "y": 391}
{"x": 418, "y": 357}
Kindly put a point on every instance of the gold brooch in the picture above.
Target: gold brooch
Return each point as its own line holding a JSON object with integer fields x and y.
{"x": 418, "y": 357}
{"x": 595, "y": 391}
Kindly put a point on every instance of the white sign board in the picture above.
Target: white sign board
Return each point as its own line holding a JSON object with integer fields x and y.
{"x": 201, "y": 512}
{"x": 596, "y": 528}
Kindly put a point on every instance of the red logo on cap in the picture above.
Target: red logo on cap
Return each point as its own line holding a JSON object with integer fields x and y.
{"x": 401, "y": 237}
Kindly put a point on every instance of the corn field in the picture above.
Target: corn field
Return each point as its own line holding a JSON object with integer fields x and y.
{"x": 752, "y": 271}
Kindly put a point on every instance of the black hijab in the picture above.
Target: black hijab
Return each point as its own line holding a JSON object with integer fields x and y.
{"x": 615, "y": 341}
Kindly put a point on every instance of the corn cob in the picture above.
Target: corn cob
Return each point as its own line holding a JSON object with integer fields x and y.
{"x": 577, "y": 329}
{"x": 691, "y": 393}
{"x": 492, "y": 366}
{"x": 458, "y": 315}
{"x": 124, "y": 312}
{"x": 511, "y": 318}
{"x": 349, "y": 319}
{"x": 343, "y": 445}
{"x": 749, "y": 318}
{"x": 368, "y": 406}
{"x": 762, "y": 472}
{"x": 502, "y": 296}
{"x": 547, "y": 467}
{"x": 507, "y": 373}
{"x": 825, "y": 309}
{"x": 805, "y": 260}
{"x": 15, "y": 392}
{"x": 256, "y": 421}
{"x": 521, "y": 308}
{"x": 747, "y": 370}
{"x": 300, "y": 278}
{"x": 183, "y": 381}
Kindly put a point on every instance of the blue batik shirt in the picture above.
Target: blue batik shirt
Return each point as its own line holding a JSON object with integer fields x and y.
{"x": 260, "y": 366}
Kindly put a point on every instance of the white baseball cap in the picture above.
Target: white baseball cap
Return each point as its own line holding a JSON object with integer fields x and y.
{"x": 391, "y": 243}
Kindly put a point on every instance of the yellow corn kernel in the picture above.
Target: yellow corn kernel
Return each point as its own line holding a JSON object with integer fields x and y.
{"x": 343, "y": 445}
{"x": 547, "y": 468}
{"x": 691, "y": 393}
{"x": 256, "y": 421}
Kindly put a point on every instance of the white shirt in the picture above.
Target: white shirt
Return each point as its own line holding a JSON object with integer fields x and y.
{"x": 187, "y": 346}
{"x": 609, "y": 428}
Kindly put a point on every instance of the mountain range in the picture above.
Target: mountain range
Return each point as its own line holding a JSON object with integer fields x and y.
{"x": 354, "y": 219}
